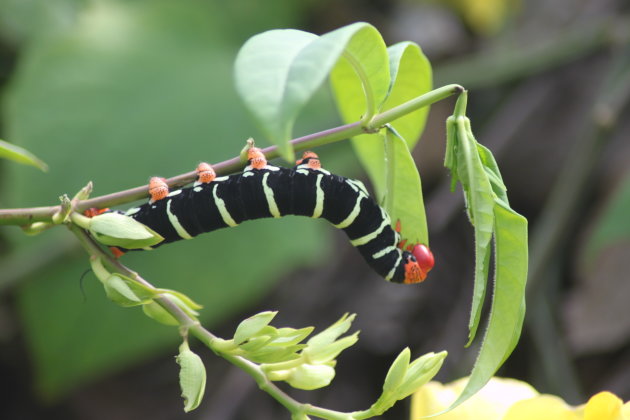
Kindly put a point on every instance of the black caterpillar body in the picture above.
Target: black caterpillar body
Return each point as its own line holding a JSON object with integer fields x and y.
{"x": 263, "y": 191}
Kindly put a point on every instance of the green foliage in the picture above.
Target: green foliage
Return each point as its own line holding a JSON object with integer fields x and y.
{"x": 252, "y": 326}
{"x": 311, "y": 365}
{"x": 126, "y": 292}
{"x": 278, "y": 71}
{"x": 383, "y": 92}
{"x": 486, "y": 203}
{"x": 122, "y": 91}
{"x": 405, "y": 378}
{"x": 114, "y": 229}
{"x": 20, "y": 155}
{"x": 366, "y": 78}
{"x": 404, "y": 200}
{"x": 358, "y": 78}
{"x": 281, "y": 356}
{"x": 410, "y": 76}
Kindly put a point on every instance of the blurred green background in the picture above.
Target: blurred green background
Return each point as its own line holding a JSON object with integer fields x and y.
{"x": 118, "y": 91}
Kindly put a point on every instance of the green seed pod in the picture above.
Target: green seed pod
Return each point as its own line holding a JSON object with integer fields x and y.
{"x": 192, "y": 377}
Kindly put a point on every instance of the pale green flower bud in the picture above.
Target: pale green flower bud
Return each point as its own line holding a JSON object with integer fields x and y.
{"x": 311, "y": 376}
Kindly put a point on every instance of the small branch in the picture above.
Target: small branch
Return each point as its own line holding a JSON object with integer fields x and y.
{"x": 26, "y": 216}
{"x": 421, "y": 101}
{"x": 210, "y": 340}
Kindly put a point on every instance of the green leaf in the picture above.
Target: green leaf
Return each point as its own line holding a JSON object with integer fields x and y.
{"x": 331, "y": 351}
{"x": 331, "y": 333}
{"x": 264, "y": 75}
{"x": 159, "y": 314}
{"x": 182, "y": 297}
{"x": 492, "y": 169}
{"x": 450, "y": 160}
{"x": 252, "y": 326}
{"x": 127, "y": 292}
{"x": 273, "y": 354}
{"x": 410, "y": 77}
{"x": 508, "y": 299}
{"x": 397, "y": 370}
{"x": 289, "y": 336}
{"x": 20, "y": 155}
{"x": 255, "y": 343}
{"x": 489, "y": 212}
{"x": 361, "y": 79}
{"x": 278, "y": 71}
{"x": 192, "y": 377}
{"x": 403, "y": 199}
{"x": 479, "y": 204}
{"x": 115, "y": 229}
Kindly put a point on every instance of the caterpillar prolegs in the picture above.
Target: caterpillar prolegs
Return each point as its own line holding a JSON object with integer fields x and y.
{"x": 263, "y": 190}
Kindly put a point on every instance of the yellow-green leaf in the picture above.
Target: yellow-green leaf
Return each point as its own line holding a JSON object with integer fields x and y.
{"x": 410, "y": 76}
{"x": 18, "y": 154}
{"x": 404, "y": 200}
{"x": 278, "y": 71}
{"x": 115, "y": 229}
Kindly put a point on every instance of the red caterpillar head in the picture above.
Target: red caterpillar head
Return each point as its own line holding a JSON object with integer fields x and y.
{"x": 311, "y": 159}
{"x": 419, "y": 261}
{"x": 256, "y": 158}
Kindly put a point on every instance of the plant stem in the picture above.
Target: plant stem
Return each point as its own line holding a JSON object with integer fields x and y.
{"x": 370, "y": 104}
{"x": 412, "y": 105}
{"x": 460, "y": 105}
{"x": 210, "y": 340}
{"x": 26, "y": 216}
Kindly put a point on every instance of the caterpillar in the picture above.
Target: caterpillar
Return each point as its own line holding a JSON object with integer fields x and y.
{"x": 263, "y": 190}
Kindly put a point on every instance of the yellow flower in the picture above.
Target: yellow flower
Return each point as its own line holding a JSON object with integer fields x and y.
{"x": 510, "y": 399}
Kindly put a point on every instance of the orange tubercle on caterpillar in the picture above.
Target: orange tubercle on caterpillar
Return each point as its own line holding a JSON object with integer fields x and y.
{"x": 205, "y": 173}
{"x": 312, "y": 160}
{"x": 256, "y": 158}
{"x": 158, "y": 189}
{"x": 93, "y": 211}
{"x": 116, "y": 251}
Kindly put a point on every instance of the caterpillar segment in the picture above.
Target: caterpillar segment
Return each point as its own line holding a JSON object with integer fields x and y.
{"x": 263, "y": 190}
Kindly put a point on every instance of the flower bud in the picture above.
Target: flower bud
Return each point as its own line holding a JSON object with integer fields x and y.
{"x": 311, "y": 376}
